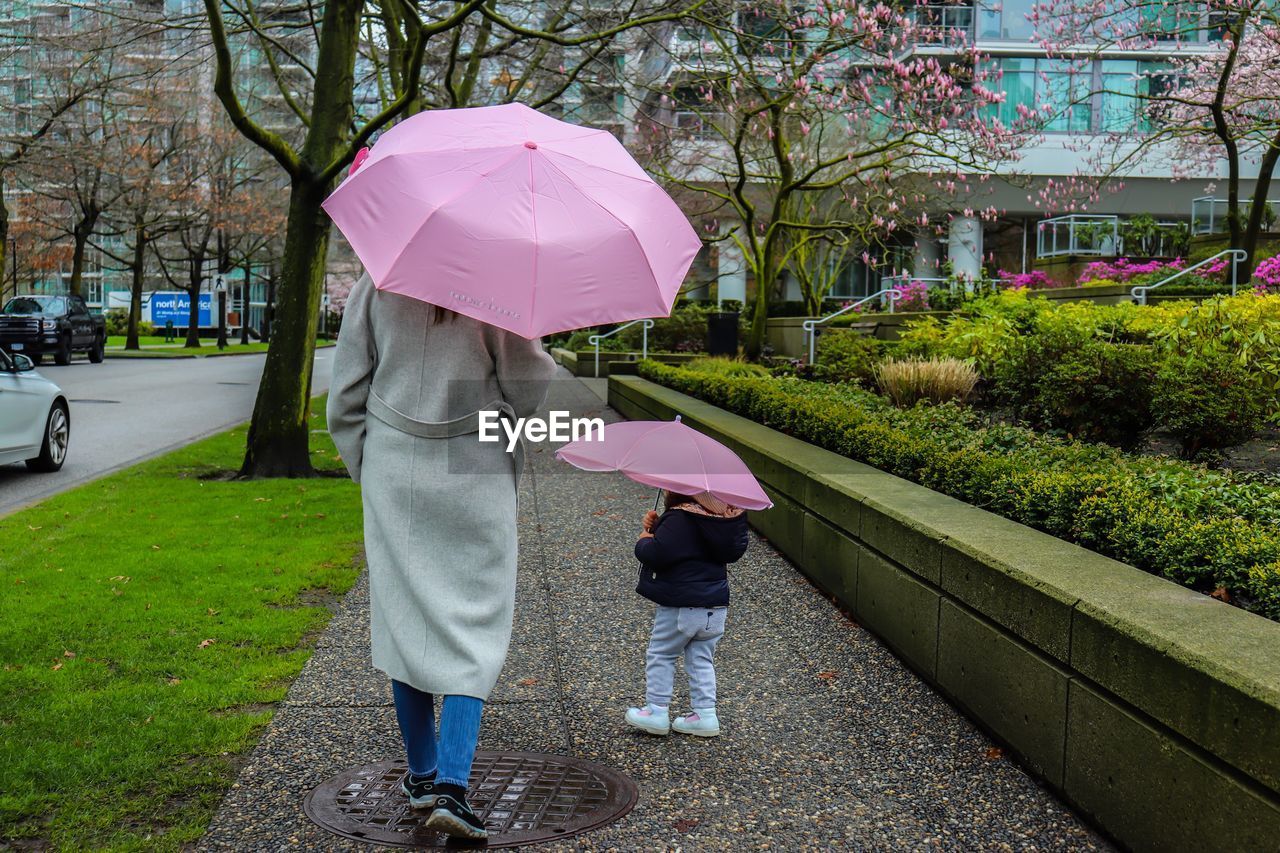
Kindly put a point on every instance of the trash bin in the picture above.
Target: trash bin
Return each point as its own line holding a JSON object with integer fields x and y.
{"x": 722, "y": 333}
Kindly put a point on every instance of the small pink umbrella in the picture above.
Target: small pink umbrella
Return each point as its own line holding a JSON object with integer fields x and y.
{"x": 669, "y": 455}
{"x": 516, "y": 219}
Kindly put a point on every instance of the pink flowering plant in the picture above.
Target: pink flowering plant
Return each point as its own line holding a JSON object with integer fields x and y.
{"x": 1034, "y": 280}
{"x": 1266, "y": 275}
{"x": 1125, "y": 270}
{"x": 915, "y": 297}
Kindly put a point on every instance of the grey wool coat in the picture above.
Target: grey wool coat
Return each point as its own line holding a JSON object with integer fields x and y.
{"x": 439, "y": 505}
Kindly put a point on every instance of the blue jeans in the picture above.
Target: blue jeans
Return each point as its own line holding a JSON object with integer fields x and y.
{"x": 451, "y": 758}
{"x": 692, "y": 632}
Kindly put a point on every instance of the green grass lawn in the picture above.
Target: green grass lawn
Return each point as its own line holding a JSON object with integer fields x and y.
{"x": 147, "y": 619}
{"x": 176, "y": 350}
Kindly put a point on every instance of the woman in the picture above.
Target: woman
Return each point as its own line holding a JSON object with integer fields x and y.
{"x": 409, "y": 380}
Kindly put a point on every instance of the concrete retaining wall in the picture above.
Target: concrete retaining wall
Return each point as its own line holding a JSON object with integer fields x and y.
{"x": 583, "y": 362}
{"x": 1153, "y": 709}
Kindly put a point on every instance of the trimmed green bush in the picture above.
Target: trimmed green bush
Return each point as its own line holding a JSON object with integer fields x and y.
{"x": 1204, "y": 529}
{"x": 1207, "y": 401}
{"x": 847, "y": 356}
{"x": 726, "y": 367}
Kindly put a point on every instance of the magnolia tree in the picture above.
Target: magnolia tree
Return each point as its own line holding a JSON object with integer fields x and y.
{"x": 831, "y": 123}
{"x": 1213, "y": 102}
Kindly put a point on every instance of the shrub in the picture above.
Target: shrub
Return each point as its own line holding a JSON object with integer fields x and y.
{"x": 1125, "y": 270}
{"x": 1035, "y": 280}
{"x": 936, "y": 380}
{"x": 1099, "y": 282}
{"x": 1207, "y": 400}
{"x": 726, "y": 367}
{"x": 1204, "y": 529}
{"x": 117, "y": 320}
{"x": 847, "y": 357}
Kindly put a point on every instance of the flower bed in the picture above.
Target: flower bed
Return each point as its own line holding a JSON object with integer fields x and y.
{"x": 1207, "y": 530}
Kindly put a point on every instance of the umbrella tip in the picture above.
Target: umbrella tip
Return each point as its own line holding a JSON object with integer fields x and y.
{"x": 530, "y": 144}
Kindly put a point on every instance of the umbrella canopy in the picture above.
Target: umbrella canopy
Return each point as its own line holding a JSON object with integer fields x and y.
{"x": 516, "y": 219}
{"x": 669, "y": 455}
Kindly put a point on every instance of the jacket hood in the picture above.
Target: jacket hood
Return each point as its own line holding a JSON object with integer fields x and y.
{"x": 724, "y": 536}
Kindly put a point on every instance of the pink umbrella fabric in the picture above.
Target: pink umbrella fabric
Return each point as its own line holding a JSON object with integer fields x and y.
{"x": 669, "y": 455}
{"x": 516, "y": 219}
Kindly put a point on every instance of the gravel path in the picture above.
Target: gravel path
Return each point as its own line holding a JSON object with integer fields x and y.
{"x": 829, "y": 743}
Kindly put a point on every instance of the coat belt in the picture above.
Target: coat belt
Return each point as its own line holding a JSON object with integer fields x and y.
{"x": 392, "y": 417}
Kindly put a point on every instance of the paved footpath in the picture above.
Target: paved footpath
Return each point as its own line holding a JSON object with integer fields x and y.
{"x": 830, "y": 743}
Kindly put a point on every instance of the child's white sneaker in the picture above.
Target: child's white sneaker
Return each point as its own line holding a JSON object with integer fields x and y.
{"x": 651, "y": 719}
{"x": 701, "y": 723}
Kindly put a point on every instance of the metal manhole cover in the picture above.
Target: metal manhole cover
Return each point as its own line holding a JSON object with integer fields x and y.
{"x": 523, "y": 798}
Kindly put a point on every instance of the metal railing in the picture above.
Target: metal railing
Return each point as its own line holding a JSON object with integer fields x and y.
{"x": 1209, "y": 214}
{"x": 596, "y": 339}
{"x": 1078, "y": 234}
{"x": 811, "y": 326}
{"x": 1140, "y": 292}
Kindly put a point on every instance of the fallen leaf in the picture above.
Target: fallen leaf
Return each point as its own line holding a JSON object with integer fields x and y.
{"x": 262, "y": 500}
{"x": 212, "y": 612}
{"x": 155, "y": 547}
{"x": 827, "y": 675}
{"x": 68, "y": 654}
{"x": 173, "y": 680}
{"x": 1221, "y": 594}
{"x": 320, "y": 515}
{"x": 124, "y": 578}
{"x": 685, "y": 824}
{"x": 204, "y": 644}
{"x": 148, "y": 607}
{"x": 36, "y": 527}
{"x": 600, "y": 512}
{"x": 994, "y": 752}
{"x": 528, "y": 682}
{"x": 57, "y": 665}
{"x": 147, "y": 720}
{"x": 18, "y": 580}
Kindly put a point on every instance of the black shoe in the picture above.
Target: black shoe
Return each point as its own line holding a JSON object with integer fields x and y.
{"x": 452, "y": 816}
{"x": 420, "y": 790}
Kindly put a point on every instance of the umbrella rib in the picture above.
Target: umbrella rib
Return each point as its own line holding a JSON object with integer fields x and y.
{"x": 614, "y": 217}
{"x": 479, "y": 177}
{"x": 533, "y": 218}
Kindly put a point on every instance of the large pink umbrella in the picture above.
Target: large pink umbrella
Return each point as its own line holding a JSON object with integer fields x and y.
{"x": 514, "y": 218}
{"x": 669, "y": 455}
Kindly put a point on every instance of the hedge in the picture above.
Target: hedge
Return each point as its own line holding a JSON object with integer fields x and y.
{"x": 1211, "y": 531}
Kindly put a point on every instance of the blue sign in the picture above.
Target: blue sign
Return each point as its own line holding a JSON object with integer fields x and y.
{"x": 176, "y": 306}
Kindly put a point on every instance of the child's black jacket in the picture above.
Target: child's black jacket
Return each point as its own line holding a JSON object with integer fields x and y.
{"x": 683, "y": 564}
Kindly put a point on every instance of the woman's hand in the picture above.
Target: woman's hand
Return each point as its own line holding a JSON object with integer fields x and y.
{"x": 646, "y": 535}
{"x": 650, "y": 519}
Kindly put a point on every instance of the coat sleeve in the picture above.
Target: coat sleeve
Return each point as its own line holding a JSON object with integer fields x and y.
{"x": 353, "y": 363}
{"x": 524, "y": 370}
{"x": 667, "y": 544}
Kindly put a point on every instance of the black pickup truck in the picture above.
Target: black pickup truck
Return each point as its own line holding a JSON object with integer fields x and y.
{"x": 58, "y": 325}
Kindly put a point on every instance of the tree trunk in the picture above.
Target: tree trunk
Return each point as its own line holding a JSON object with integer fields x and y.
{"x": 80, "y": 234}
{"x": 1257, "y": 212}
{"x": 135, "y": 291}
{"x": 766, "y": 278}
{"x": 279, "y": 435}
{"x": 193, "y": 313}
{"x": 4, "y": 244}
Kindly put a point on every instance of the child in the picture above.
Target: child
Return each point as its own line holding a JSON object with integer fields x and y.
{"x": 683, "y": 556}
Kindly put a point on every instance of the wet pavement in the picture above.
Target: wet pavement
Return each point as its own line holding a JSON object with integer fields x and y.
{"x": 829, "y": 741}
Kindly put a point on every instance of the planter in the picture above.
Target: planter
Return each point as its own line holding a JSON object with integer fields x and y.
{"x": 583, "y": 362}
{"x": 786, "y": 334}
{"x": 1153, "y": 709}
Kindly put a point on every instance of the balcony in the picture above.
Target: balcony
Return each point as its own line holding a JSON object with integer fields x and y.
{"x": 1078, "y": 235}
{"x": 1209, "y": 215}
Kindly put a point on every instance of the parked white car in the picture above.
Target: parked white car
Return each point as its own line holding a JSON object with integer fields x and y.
{"x": 35, "y": 420}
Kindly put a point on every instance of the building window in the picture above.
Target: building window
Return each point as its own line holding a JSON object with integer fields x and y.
{"x": 1103, "y": 96}
{"x": 1006, "y": 20}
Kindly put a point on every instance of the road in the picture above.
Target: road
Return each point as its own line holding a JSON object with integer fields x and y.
{"x": 126, "y": 410}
